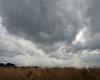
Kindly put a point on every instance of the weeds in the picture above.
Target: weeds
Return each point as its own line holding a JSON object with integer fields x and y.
{"x": 49, "y": 74}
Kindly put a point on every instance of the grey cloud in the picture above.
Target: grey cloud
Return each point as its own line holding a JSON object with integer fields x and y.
{"x": 58, "y": 31}
{"x": 33, "y": 17}
{"x": 21, "y": 51}
{"x": 90, "y": 58}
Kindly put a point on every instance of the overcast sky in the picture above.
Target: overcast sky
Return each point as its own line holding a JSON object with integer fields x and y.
{"x": 50, "y": 33}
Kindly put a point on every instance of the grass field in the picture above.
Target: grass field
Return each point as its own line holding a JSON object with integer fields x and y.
{"x": 34, "y": 73}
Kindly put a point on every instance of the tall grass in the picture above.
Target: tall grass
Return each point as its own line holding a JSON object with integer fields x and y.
{"x": 49, "y": 73}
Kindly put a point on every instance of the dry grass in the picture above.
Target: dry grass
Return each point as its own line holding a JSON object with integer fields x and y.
{"x": 48, "y": 74}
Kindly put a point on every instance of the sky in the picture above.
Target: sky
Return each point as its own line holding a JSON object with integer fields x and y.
{"x": 50, "y": 33}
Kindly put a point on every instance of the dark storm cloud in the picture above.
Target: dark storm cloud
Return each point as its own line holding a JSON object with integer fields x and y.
{"x": 93, "y": 13}
{"x": 41, "y": 20}
{"x": 50, "y": 32}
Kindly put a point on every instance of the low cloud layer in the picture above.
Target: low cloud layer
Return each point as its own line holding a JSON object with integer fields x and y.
{"x": 50, "y": 33}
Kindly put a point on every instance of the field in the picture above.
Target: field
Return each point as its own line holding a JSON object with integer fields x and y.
{"x": 35, "y": 73}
